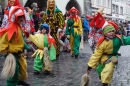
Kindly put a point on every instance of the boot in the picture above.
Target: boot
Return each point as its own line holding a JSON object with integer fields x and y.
{"x": 72, "y": 55}
{"x": 57, "y": 57}
{"x": 47, "y": 72}
{"x": 105, "y": 84}
{"x": 23, "y": 83}
{"x": 76, "y": 56}
{"x": 36, "y": 72}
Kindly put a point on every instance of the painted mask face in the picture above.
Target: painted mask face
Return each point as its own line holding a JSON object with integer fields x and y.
{"x": 11, "y": 2}
{"x": 51, "y": 4}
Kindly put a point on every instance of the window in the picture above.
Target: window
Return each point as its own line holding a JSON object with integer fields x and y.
{"x": 117, "y": 9}
{"x": 92, "y": 1}
{"x": 127, "y": 10}
{"x": 98, "y": 2}
{"x": 113, "y": 8}
{"x": 109, "y": 3}
{"x": 121, "y": 10}
{"x": 104, "y": 3}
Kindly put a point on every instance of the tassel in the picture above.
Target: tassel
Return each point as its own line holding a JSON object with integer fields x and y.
{"x": 47, "y": 62}
{"x": 81, "y": 43}
{"x": 9, "y": 67}
{"x": 85, "y": 80}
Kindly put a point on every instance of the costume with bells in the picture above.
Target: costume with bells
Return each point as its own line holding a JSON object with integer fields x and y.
{"x": 46, "y": 52}
{"x": 105, "y": 56}
{"x": 12, "y": 44}
{"x": 54, "y": 18}
{"x": 74, "y": 30}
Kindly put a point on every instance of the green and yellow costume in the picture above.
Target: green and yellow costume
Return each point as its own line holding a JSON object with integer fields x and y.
{"x": 16, "y": 48}
{"x": 74, "y": 29}
{"x": 103, "y": 52}
{"x": 43, "y": 59}
{"x": 54, "y": 18}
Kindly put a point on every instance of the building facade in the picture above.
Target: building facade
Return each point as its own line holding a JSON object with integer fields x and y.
{"x": 106, "y": 4}
{"x": 118, "y": 10}
{"x": 63, "y": 5}
{"x": 127, "y": 10}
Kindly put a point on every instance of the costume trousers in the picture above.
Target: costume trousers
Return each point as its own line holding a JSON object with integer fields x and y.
{"x": 75, "y": 43}
{"x": 85, "y": 35}
{"x": 20, "y": 71}
{"x": 107, "y": 73}
{"x": 43, "y": 63}
{"x": 38, "y": 63}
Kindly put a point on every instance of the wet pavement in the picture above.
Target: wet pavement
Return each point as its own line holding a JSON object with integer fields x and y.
{"x": 68, "y": 71}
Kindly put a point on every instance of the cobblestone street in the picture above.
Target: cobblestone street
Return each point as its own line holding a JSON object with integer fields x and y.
{"x": 68, "y": 71}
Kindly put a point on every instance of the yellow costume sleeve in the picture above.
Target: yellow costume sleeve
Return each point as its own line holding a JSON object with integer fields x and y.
{"x": 101, "y": 53}
{"x": 12, "y": 46}
{"x": 96, "y": 57}
{"x": 37, "y": 39}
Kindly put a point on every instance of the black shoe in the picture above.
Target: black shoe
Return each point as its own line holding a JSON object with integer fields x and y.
{"x": 76, "y": 56}
{"x": 72, "y": 55}
{"x": 36, "y": 72}
{"x": 104, "y": 84}
{"x": 47, "y": 72}
{"x": 57, "y": 57}
{"x": 23, "y": 83}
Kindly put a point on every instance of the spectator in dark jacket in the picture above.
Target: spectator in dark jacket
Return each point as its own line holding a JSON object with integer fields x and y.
{"x": 86, "y": 28}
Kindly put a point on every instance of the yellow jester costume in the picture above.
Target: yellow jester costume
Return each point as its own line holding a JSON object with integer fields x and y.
{"x": 12, "y": 43}
{"x": 106, "y": 54}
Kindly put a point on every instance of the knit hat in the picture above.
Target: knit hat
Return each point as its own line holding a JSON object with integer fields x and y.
{"x": 108, "y": 29}
{"x": 45, "y": 26}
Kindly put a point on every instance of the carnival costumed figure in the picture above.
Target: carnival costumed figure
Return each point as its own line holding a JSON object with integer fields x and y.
{"x": 105, "y": 56}
{"x": 12, "y": 45}
{"x": 46, "y": 52}
{"x": 95, "y": 32}
{"x": 54, "y": 18}
{"x": 74, "y": 30}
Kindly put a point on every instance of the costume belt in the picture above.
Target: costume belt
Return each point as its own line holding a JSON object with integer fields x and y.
{"x": 75, "y": 26}
{"x": 112, "y": 59}
{"x": 40, "y": 48}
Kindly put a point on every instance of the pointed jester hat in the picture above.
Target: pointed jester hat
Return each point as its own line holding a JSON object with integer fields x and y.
{"x": 73, "y": 10}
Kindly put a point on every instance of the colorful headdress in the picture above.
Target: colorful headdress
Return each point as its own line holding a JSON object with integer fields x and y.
{"x": 14, "y": 12}
{"x": 73, "y": 10}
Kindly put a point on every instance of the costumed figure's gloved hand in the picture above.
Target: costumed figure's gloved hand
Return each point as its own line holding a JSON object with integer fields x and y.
{"x": 88, "y": 70}
{"x": 68, "y": 37}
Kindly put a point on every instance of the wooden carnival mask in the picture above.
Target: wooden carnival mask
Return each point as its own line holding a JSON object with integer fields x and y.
{"x": 51, "y": 4}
